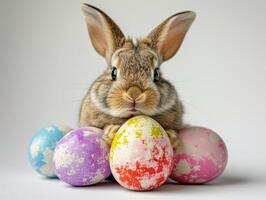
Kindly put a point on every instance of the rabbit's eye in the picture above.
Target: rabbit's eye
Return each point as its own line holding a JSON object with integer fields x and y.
{"x": 114, "y": 73}
{"x": 156, "y": 77}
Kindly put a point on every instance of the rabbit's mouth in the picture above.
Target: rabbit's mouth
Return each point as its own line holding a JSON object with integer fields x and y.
{"x": 133, "y": 101}
{"x": 132, "y": 107}
{"x": 133, "y": 110}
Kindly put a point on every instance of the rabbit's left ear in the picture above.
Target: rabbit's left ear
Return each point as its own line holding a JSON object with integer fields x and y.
{"x": 168, "y": 36}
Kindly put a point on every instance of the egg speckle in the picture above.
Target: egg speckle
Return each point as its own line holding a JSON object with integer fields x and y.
{"x": 41, "y": 149}
{"x": 82, "y": 157}
{"x": 141, "y": 156}
{"x": 201, "y": 156}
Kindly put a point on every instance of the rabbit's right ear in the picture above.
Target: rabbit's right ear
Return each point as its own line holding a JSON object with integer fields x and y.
{"x": 105, "y": 35}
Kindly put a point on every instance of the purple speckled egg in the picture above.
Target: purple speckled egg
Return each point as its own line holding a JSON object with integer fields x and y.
{"x": 81, "y": 157}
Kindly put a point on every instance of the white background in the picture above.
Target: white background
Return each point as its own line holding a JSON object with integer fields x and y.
{"x": 47, "y": 64}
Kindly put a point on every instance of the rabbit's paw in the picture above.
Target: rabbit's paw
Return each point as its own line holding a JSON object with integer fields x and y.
{"x": 109, "y": 133}
{"x": 174, "y": 139}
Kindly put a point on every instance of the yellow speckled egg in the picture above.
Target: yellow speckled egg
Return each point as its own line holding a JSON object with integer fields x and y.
{"x": 141, "y": 156}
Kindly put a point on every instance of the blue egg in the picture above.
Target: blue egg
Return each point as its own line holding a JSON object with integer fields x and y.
{"x": 41, "y": 149}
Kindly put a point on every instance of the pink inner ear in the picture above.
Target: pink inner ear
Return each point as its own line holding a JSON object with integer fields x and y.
{"x": 173, "y": 39}
{"x": 97, "y": 36}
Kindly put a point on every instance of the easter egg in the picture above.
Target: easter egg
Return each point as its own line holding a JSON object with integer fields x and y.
{"x": 201, "y": 156}
{"x": 41, "y": 148}
{"x": 81, "y": 157}
{"x": 141, "y": 156}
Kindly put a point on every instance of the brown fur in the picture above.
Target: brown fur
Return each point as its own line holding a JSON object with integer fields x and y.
{"x": 108, "y": 103}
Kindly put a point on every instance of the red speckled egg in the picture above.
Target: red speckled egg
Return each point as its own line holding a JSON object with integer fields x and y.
{"x": 141, "y": 156}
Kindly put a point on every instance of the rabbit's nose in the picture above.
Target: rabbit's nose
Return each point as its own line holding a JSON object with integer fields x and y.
{"x": 134, "y": 92}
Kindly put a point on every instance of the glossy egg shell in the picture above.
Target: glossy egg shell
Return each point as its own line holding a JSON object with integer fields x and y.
{"x": 41, "y": 149}
{"x": 201, "y": 156}
{"x": 141, "y": 156}
{"x": 82, "y": 157}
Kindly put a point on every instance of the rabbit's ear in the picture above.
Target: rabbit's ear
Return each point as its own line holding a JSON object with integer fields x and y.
{"x": 105, "y": 35}
{"x": 168, "y": 36}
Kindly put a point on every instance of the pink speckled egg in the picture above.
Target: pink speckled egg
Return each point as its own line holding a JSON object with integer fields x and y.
{"x": 141, "y": 156}
{"x": 201, "y": 156}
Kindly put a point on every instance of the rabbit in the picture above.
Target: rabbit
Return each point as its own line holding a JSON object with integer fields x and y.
{"x": 132, "y": 84}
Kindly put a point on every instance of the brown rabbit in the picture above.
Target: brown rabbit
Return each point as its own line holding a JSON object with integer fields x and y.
{"x": 132, "y": 83}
